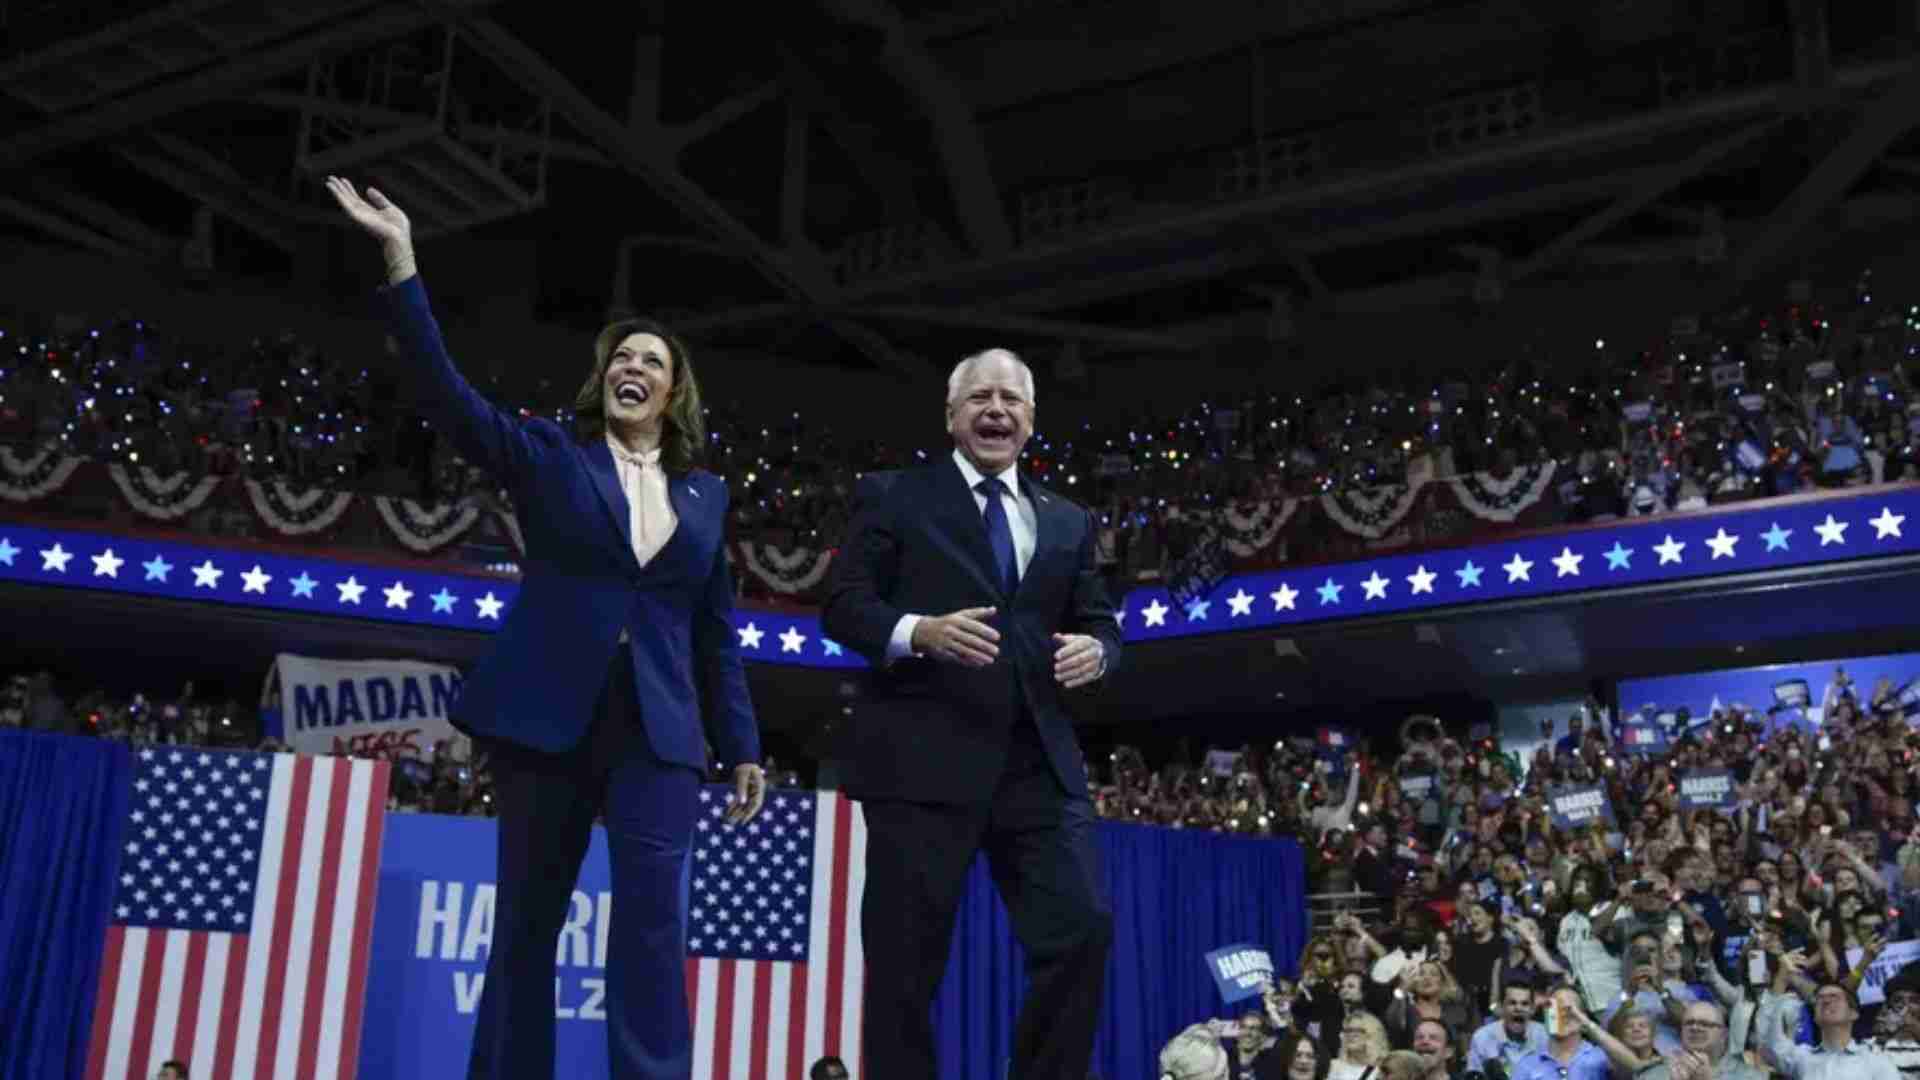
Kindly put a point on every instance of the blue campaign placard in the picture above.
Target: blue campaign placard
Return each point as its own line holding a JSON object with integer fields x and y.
{"x": 1580, "y": 805}
{"x": 1706, "y": 789}
{"x": 1240, "y": 971}
{"x": 1643, "y": 736}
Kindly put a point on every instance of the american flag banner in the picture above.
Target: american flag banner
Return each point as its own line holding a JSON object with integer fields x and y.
{"x": 239, "y": 932}
{"x": 775, "y": 968}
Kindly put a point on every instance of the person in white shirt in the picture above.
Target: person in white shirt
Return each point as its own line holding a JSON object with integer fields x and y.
{"x": 1837, "y": 1056}
{"x": 1595, "y": 970}
{"x": 1331, "y": 816}
{"x": 1897, "y": 1028}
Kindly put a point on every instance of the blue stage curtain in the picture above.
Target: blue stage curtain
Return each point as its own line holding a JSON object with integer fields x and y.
{"x": 63, "y": 800}
{"x": 1176, "y": 896}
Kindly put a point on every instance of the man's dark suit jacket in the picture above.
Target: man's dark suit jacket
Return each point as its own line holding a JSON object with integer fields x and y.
{"x": 934, "y": 731}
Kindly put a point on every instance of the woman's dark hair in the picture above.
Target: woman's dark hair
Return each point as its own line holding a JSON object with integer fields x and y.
{"x": 1289, "y": 1045}
{"x": 683, "y": 433}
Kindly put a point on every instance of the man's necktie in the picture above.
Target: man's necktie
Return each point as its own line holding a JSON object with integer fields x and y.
{"x": 1000, "y": 532}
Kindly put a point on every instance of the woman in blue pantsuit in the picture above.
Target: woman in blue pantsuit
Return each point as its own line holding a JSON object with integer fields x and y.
{"x": 614, "y": 672}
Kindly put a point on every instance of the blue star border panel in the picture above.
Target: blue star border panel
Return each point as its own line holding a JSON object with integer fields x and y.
{"x": 318, "y": 585}
{"x": 1637, "y": 551}
{"x": 1872, "y": 523}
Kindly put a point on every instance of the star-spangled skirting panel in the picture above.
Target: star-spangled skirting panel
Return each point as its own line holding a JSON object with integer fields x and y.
{"x": 1868, "y": 524}
{"x": 1635, "y": 551}
{"x": 316, "y": 585}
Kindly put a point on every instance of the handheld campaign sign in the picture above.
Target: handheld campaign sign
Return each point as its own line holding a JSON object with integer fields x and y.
{"x": 1909, "y": 699}
{"x": 1223, "y": 762}
{"x": 1240, "y": 971}
{"x": 1334, "y": 740}
{"x": 1579, "y": 806}
{"x": 1703, "y": 789}
{"x": 1416, "y": 787}
{"x": 1334, "y": 746}
{"x": 1792, "y": 694}
{"x": 1642, "y": 735}
{"x": 368, "y": 708}
{"x": 1873, "y": 988}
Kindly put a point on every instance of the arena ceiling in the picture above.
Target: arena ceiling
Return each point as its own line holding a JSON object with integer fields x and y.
{"x": 849, "y": 181}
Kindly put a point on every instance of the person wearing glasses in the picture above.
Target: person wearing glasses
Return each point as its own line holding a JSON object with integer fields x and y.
{"x": 1703, "y": 1053}
{"x": 1567, "y": 1056}
{"x": 1837, "y": 1055}
{"x": 1363, "y": 1042}
{"x": 1896, "y": 1030}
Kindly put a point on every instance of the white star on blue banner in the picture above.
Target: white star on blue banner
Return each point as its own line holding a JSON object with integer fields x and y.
{"x": 1858, "y": 525}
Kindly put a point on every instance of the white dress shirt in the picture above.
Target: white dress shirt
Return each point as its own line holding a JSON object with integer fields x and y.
{"x": 1858, "y": 1061}
{"x": 1022, "y": 521}
{"x": 649, "y": 511}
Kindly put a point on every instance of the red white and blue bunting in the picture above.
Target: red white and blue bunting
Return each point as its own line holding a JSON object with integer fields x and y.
{"x": 1503, "y": 499}
{"x": 1371, "y": 512}
{"x": 1249, "y": 528}
{"x": 787, "y": 573}
{"x": 425, "y": 529}
{"x": 162, "y": 498}
{"x": 36, "y": 477}
{"x": 296, "y": 513}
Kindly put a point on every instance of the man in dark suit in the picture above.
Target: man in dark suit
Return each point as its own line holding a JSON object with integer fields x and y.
{"x": 974, "y": 593}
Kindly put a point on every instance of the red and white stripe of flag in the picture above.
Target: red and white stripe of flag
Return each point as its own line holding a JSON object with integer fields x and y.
{"x": 285, "y": 999}
{"x": 753, "y": 1018}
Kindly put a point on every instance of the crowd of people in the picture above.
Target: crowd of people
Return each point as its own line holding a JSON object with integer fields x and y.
{"x": 1817, "y": 394}
{"x": 1476, "y": 938}
{"x": 1769, "y": 934}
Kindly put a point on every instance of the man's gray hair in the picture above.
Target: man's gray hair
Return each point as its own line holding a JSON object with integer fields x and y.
{"x": 959, "y": 375}
{"x": 1194, "y": 1054}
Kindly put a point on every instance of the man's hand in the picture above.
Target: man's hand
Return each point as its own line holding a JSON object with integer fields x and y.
{"x": 749, "y": 792}
{"x": 1686, "y": 1065}
{"x": 1078, "y": 660}
{"x": 1793, "y": 964}
{"x": 959, "y": 638}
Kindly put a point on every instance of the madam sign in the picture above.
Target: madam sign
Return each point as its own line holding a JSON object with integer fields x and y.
{"x": 387, "y": 708}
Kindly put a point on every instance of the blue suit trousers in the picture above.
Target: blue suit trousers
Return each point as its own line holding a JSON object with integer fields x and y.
{"x": 546, "y": 804}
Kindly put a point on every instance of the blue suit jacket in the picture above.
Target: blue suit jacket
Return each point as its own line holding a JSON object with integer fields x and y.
{"x": 581, "y": 584}
{"x": 937, "y": 732}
